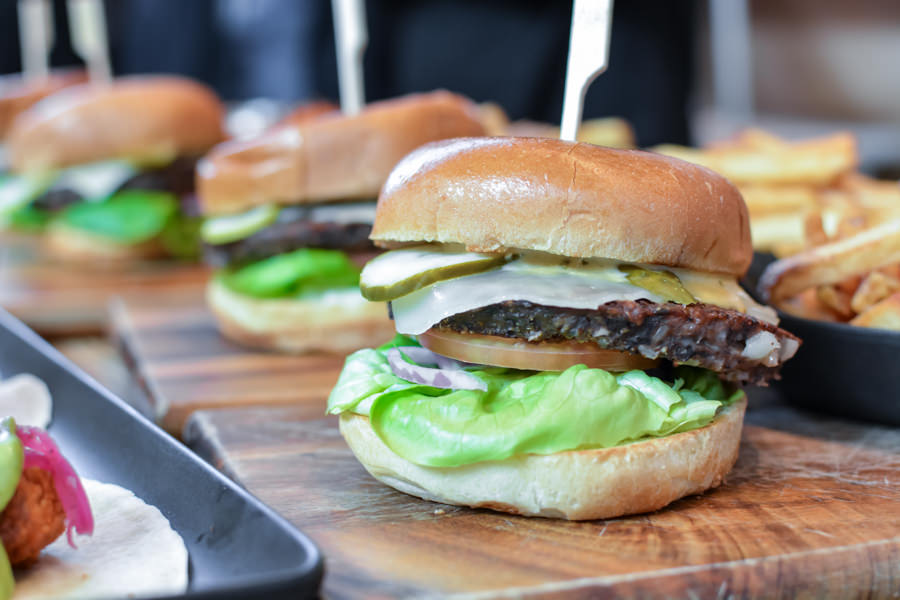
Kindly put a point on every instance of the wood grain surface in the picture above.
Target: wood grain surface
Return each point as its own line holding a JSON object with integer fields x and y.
{"x": 54, "y": 298}
{"x": 101, "y": 359}
{"x": 184, "y": 364}
{"x": 812, "y": 509}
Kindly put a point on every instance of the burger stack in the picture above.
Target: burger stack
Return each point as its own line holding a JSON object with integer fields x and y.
{"x": 288, "y": 217}
{"x": 107, "y": 171}
{"x": 571, "y": 331}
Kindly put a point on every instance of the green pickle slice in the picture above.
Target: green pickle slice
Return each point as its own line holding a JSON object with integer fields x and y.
{"x": 664, "y": 284}
{"x": 400, "y": 272}
{"x": 231, "y": 228}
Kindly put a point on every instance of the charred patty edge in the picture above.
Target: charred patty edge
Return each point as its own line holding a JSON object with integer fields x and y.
{"x": 699, "y": 334}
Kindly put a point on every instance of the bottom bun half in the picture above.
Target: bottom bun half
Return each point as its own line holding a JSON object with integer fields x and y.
{"x": 578, "y": 485}
{"x": 338, "y": 321}
{"x": 68, "y": 244}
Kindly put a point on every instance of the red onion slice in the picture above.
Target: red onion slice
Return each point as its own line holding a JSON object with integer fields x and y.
{"x": 449, "y": 374}
{"x": 41, "y": 452}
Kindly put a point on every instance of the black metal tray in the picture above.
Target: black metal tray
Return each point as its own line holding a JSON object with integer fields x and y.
{"x": 840, "y": 369}
{"x": 238, "y": 547}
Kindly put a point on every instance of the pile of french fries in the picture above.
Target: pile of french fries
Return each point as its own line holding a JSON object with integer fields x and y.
{"x": 836, "y": 232}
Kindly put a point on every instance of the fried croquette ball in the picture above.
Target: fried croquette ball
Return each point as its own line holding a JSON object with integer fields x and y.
{"x": 33, "y": 518}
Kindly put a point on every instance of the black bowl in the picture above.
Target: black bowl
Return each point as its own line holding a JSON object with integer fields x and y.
{"x": 839, "y": 369}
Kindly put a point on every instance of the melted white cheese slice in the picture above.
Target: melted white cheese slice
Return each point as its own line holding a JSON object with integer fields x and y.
{"x": 16, "y": 192}
{"x": 349, "y": 213}
{"x": 541, "y": 279}
{"x": 548, "y": 285}
{"x": 95, "y": 181}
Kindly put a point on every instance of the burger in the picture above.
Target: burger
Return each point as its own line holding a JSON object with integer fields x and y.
{"x": 288, "y": 217}
{"x": 18, "y": 93}
{"x": 572, "y": 336}
{"x": 107, "y": 170}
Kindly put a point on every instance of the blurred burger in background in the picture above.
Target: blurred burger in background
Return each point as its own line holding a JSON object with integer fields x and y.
{"x": 288, "y": 217}
{"x": 18, "y": 93}
{"x": 107, "y": 170}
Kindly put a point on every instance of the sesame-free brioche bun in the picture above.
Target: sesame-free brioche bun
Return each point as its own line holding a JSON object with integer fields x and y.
{"x": 333, "y": 157}
{"x": 340, "y": 321}
{"x": 570, "y": 199}
{"x": 18, "y": 93}
{"x": 582, "y": 484}
{"x": 148, "y": 119}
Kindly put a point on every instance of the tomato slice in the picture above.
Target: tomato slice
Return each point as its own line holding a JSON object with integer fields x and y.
{"x": 537, "y": 356}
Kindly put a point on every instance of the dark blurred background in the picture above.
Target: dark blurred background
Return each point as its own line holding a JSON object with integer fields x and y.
{"x": 512, "y": 52}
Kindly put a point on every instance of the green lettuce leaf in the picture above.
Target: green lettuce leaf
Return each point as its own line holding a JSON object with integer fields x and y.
{"x": 522, "y": 412}
{"x": 30, "y": 219}
{"x": 128, "y": 217}
{"x": 17, "y": 192}
{"x": 181, "y": 236}
{"x": 308, "y": 270}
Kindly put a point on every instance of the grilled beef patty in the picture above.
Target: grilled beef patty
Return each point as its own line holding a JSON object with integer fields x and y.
{"x": 281, "y": 237}
{"x": 176, "y": 177}
{"x": 696, "y": 334}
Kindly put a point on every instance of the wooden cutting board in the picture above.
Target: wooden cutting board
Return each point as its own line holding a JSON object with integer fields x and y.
{"x": 60, "y": 299}
{"x": 183, "y": 364}
{"x": 812, "y": 509}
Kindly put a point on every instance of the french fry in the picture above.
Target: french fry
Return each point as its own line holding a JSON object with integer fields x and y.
{"x": 849, "y": 285}
{"x": 836, "y": 299}
{"x": 818, "y": 162}
{"x": 848, "y": 226}
{"x": 883, "y": 315}
{"x": 813, "y": 230}
{"x": 832, "y": 262}
{"x": 764, "y": 199}
{"x": 806, "y": 304}
{"x": 873, "y": 289}
{"x": 761, "y": 140}
{"x": 878, "y": 200}
{"x": 781, "y": 234}
{"x": 892, "y": 271}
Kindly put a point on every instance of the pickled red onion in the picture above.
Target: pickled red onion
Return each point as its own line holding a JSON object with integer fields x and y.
{"x": 41, "y": 452}
{"x": 449, "y": 374}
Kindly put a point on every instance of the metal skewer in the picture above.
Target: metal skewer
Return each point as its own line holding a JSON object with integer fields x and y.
{"x": 588, "y": 57}
{"x": 351, "y": 38}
